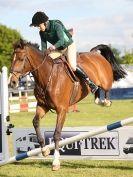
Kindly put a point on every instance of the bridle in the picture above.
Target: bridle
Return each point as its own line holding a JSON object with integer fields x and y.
{"x": 25, "y": 58}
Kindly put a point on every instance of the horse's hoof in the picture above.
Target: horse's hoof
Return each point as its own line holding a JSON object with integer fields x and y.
{"x": 102, "y": 103}
{"x": 45, "y": 151}
{"x": 108, "y": 103}
{"x": 55, "y": 167}
{"x": 97, "y": 101}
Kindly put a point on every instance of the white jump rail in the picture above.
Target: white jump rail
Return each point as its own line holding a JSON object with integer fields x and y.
{"x": 71, "y": 140}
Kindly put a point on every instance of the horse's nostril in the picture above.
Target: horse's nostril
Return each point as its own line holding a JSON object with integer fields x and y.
{"x": 14, "y": 82}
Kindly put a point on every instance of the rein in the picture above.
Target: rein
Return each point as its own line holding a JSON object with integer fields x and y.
{"x": 43, "y": 92}
{"x": 40, "y": 91}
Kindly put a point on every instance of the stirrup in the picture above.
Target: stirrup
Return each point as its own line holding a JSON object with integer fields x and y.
{"x": 94, "y": 89}
{"x": 92, "y": 86}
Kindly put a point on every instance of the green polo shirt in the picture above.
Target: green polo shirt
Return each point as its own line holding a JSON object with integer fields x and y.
{"x": 56, "y": 34}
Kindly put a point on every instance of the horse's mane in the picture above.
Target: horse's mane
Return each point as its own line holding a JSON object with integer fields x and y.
{"x": 20, "y": 43}
{"x": 35, "y": 45}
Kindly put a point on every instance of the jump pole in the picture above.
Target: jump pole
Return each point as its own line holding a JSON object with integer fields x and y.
{"x": 71, "y": 140}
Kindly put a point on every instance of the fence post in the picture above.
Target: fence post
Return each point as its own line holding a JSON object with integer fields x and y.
{"x": 4, "y": 154}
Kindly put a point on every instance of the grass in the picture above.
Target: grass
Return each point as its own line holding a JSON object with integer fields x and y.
{"x": 78, "y": 168}
{"x": 89, "y": 115}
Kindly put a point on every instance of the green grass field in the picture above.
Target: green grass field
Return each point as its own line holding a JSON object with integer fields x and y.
{"x": 89, "y": 115}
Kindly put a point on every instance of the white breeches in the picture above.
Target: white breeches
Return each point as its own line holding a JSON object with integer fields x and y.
{"x": 70, "y": 52}
{"x": 71, "y": 56}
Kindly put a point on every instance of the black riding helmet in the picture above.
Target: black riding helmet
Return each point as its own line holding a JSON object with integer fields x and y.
{"x": 38, "y": 18}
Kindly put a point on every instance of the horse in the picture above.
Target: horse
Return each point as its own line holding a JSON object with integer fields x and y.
{"x": 56, "y": 87}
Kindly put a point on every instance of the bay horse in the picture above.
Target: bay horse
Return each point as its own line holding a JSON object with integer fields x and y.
{"x": 55, "y": 88}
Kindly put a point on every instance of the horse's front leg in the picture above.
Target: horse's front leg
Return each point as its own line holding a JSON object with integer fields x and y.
{"x": 40, "y": 112}
{"x": 57, "y": 136}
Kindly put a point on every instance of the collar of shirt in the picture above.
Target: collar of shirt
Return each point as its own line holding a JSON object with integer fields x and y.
{"x": 47, "y": 26}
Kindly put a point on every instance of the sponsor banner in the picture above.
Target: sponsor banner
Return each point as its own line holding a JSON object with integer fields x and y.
{"x": 116, "y": 144}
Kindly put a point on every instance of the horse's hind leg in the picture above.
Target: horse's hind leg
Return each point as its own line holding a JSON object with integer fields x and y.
{"x": 40, "y": 112}
{"x": 97, "y": 97}
{"x": 61, "y": 114}
{"x": 107, "y": 102}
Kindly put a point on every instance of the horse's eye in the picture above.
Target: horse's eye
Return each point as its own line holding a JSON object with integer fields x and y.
{"x": 21, "y": 59}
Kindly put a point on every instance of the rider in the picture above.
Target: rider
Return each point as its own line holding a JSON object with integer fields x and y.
{"x": 54, "y": 32}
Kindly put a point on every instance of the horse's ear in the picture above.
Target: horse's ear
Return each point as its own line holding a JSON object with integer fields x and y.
{"x": 22, "y": 43}
{"x": 16, "y": 44}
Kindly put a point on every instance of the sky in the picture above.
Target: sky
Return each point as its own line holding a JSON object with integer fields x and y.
{"x": 94, "y": 21}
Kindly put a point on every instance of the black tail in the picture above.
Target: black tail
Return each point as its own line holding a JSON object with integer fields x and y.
{"x": 118, "y": 71}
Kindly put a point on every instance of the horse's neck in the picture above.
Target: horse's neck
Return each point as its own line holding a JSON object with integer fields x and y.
{"x": 41, "y": 69}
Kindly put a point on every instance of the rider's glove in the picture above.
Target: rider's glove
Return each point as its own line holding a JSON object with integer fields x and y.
{"x": 51, "y": 48}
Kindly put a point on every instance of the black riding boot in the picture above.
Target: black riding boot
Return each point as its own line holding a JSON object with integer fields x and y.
{"x": 79, "y": 71}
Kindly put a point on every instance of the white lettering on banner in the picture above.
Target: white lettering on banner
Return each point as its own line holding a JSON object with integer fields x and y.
{"x": 106, "y": 144}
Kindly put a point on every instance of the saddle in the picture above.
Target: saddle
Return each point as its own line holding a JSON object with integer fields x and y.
{"x": 67, "y": 68}
{"x": 60, "y": 57}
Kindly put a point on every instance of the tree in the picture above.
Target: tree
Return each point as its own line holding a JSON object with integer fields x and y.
{"x": 116, "y": 53}
{"x": 127, "y": 58}
{"x": 7, "y": 37}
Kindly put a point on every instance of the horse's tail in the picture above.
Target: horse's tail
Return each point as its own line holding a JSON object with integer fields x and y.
{"x": 118, "y": 71}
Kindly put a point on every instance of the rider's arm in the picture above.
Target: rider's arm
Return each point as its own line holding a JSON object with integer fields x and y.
{"x": 60, "y": 35}
{"x": 43, "y": 43}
